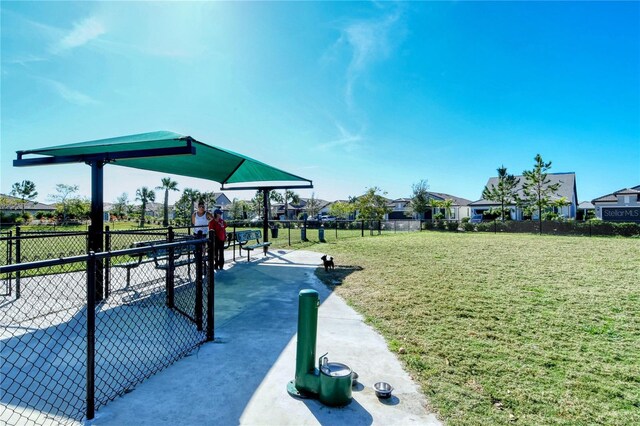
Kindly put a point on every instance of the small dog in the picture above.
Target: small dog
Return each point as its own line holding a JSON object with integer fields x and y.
{"x": 328, "y": 263}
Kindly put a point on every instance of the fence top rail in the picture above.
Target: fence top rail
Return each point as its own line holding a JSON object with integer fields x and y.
{"x": 137, "y": 232}
{"x": 102, "y": 255}
{"x": 41, "y": 235}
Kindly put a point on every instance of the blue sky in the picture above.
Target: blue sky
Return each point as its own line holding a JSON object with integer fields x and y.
{"x": 348, "y": 94}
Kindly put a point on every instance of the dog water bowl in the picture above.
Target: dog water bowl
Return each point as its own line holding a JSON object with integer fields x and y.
{"x": 383, "y": 390}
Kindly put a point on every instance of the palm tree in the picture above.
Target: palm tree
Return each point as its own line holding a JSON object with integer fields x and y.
{"x": 192, "y": 195}
{"x": 289, "y": 195}
{"x": 209, "y": 199}
{"x": 144, "y": 195}
{"x": 167, "y": 185}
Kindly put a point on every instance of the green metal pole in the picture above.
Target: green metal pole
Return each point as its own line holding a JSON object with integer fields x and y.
{"x": 307, "y": 379}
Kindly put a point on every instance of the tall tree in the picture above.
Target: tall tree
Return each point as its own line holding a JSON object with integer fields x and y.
{"x": 121, "y": 206}
{"x": 420, "y": 199}
{"x": 313, "y": 206}
{"x": 192, "y": 195}
{"x": 372, "y": 205}
{"x": 341, "y": 209}
{"x": 289, "y": 195}
{"x": 144, "y": 195}
{"x": 63, "y": 196}
{"x": 167, "y": 185}
{"x": 237, "y": 209}
{"x": 25, "y": 190}
{"x": 255, "y": 205}
{"x": 503, "y": 193}
{"x": 183, "y": 209}
{"x": 537, "y": 188}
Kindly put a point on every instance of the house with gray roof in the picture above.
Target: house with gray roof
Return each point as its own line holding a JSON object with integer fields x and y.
{"x": 567, "y": 189}
{"x": 12, "y": 204}
{"x": 620, "y": 206}
{"x": 401, "y": 207}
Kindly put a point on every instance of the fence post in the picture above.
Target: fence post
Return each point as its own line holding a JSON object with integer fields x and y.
{"x": 107, "y": 261}
{"x": 18, "y": 260}
{"x": 198, "y": 313}
{"x": 495, "y": 226}
{"x": 10, "y": 257}
{"x": 362, "y": 227}
{"x": 170, "y": 274}
{"x": 210, "y": 285}
{"x": 91, "y": 333}
{"x": 289, "y": 226}
{"x": 234, "y": 246}
{"x": 380, "y": 227}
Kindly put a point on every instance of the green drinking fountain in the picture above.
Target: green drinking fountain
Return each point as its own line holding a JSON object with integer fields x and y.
{"x": 329, "y": 382}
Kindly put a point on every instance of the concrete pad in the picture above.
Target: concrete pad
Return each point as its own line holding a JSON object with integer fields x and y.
{"x": 241, "y": 378}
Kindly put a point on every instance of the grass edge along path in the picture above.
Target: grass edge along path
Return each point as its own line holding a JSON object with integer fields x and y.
{"x": 505, "y": 329}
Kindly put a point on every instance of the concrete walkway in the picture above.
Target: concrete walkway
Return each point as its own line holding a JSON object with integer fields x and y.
{"x": 241, "y": 378}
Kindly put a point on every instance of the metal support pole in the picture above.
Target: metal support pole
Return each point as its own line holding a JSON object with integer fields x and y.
{"x": 91, "y": 333}
{"x": 362, "y": 227}
{"x": 336, "y": 223}
{"x": 18, "y": 260}
{"x": 170, "y": 274}
{"x": 10, "y": 257}
{"x": 265, "y": 221}
{"x": 107, "y": 261}
{"x": 97, "y": 221}
{"x": 234, "y": 246}
{"x": 210, "y": 285}
{"x": 198, "y": 313}
{"x": 289, "y": 223}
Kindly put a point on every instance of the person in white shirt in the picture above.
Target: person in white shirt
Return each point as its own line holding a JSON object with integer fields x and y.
{"x": 200, "y": 220}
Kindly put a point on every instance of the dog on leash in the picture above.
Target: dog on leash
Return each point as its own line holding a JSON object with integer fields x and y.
{"x": 328, "y": 263}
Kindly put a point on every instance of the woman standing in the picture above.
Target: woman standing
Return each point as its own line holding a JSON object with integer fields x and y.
{"x": 220, "y": 228}
{"x": 200, "y": 220}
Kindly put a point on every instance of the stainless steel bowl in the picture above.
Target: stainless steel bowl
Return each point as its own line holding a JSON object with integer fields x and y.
{"x": 383, "y": 390}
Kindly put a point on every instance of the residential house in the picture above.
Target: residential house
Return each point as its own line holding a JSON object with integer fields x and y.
{"x": 294, "y": 210}
{"x": 401, "y": 207}
{"x": 567, "y": 189}
{"x": 620, "y": 206}
{"x": 12, "y": 204}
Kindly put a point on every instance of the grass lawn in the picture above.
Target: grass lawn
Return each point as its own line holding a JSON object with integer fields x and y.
{"x": 506, "y": 328}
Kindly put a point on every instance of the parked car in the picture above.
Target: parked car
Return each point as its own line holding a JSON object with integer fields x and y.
{"x": 476, "y": 218}
{"x": 326, "y": 218}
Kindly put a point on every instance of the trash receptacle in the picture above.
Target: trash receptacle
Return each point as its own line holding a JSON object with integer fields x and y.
{"x": 274, "y": 232}
{"x": 321, "y": 234}
{"x": 303, "y": 234}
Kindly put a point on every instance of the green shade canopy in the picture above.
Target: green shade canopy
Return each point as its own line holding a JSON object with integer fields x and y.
{"x": 169, "y": 152}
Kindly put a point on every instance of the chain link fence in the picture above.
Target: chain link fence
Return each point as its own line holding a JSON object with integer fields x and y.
{"x": 66, "y": 353}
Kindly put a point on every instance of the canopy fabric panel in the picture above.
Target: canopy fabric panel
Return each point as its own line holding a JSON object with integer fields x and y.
{"x": 208, "y": 162}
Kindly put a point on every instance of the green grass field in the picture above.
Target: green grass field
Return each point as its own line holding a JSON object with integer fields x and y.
{"x": 505, "y": 329}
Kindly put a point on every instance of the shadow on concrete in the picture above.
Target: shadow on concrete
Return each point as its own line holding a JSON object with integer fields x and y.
{"x": 256, "y": 310}
{"x": 352, "y": 414}
{"x": 43, "y": 370}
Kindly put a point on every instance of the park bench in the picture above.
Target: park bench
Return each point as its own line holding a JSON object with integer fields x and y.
{"x": 243, "y": 238}
{"x": 182, "y": 255}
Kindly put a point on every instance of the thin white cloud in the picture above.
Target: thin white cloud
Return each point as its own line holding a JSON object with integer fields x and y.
{"x": 370, "y": 41}
{"x": 82, "y": 33}
{"x": 346, "y": 140}
{"x": 70, "y": 95}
